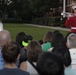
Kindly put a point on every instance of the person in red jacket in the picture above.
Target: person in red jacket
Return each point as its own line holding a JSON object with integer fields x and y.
{"x": 71, "y": 20}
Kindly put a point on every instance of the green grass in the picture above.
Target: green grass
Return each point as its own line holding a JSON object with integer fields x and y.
{"x": 37, "y": 32}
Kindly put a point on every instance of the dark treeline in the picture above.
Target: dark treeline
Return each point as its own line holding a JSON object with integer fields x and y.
{"x": 27, "y": 9}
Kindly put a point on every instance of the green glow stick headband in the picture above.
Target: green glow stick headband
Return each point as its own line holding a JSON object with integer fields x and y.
{"x": 25, "y": 43}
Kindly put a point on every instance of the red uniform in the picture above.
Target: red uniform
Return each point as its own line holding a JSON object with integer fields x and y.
{"x": 71, "y": 22}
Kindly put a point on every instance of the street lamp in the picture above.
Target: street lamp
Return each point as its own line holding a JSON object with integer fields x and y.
{"x": 64, "y": 9}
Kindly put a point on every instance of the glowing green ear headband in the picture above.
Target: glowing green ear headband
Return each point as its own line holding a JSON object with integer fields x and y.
{"x": 25, "y": 43}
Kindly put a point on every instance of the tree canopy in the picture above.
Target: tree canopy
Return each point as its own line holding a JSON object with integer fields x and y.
{"x": 27, "y": 9}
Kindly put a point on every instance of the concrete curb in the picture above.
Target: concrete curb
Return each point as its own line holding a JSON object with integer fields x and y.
{"x": 57, "y": 28}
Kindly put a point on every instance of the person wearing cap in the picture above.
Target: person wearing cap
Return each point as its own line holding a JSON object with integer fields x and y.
{"x": 71, "y": 20}
{"x": 71, "y": 44}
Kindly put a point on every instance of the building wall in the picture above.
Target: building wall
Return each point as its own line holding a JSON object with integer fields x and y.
{"x": 69, "y": 4}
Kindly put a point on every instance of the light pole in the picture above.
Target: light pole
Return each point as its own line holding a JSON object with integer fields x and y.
{"x": 64, "y": 12}
{"x": 64, "y": 8}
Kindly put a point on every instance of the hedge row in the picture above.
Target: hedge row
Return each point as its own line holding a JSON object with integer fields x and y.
{"x": 15, "y": 21}
{"x": 52, "y": 21}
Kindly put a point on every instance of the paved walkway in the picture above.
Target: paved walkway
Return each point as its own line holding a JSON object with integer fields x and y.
{"x": 57, "y": 28}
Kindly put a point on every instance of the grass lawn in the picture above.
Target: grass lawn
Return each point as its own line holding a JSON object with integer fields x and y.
{"x": 37, "y": 32}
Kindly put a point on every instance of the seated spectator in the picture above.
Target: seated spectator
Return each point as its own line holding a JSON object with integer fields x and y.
{"x": 47, "y": 41}
{"x": 71, "y": 44}
{"x": 22, "y": 40}
{"x": 11, "y": 54}
{"x": 57, "y": 39}
{"x": 34, "y": 49}
{"x": 25, "y": 42}
{"x": 50, "y": 64}
{"x": 5, "y": 37}
{"x": 63, "y": 52}
{"x": 19, "y": 39}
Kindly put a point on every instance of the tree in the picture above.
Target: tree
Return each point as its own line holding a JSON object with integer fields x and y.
{"x": 22, "y": 9}
{"x": 40, "y": 7}
{"x": 27, "y": 9}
